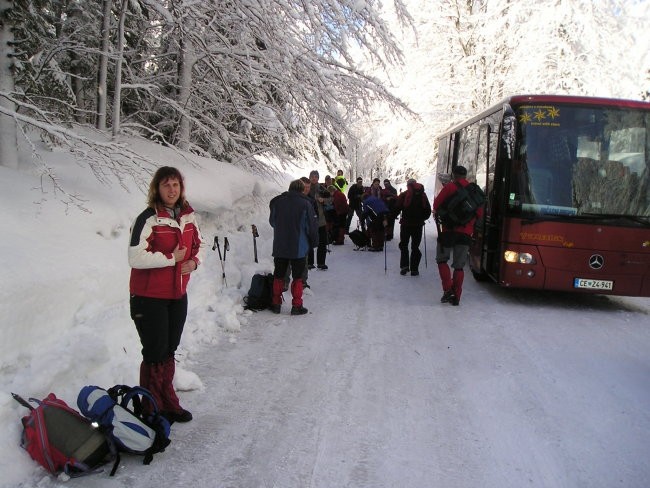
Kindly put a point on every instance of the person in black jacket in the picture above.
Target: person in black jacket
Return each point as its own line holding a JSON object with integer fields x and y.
{"x": 355, "y": 195}
{"x": 295, "y": 232}
{"x": 415, "y": 209}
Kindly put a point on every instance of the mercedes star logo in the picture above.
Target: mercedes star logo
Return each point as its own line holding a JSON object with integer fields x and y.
{"x": 596, "y": 261}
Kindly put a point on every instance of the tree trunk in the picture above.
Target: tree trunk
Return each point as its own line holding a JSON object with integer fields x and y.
{"x": 8, "y": 128}
{"x": 117, "y": 97}
{"x": 186, "y": 62}
{"x": 102, "y": 75}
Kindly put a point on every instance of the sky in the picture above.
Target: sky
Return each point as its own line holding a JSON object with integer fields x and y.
{"x": 380, "y": 385}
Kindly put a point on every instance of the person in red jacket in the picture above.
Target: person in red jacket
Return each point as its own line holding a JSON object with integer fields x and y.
{"x": 341, "y": 208}
{"x": 454, "y": 241}
{"x": 163, "y": 253}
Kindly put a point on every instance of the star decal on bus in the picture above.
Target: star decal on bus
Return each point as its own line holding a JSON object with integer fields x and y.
{"x": 553, "y": 112}
{"x": 540, "y": 115}
{"x": 525, "y": 118}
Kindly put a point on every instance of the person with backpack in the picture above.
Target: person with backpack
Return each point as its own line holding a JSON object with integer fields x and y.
{"x": 375, "y": 214}
{"x": 415, "y": 209}
{"x": 355, "y": 194}
{"x": 322, "y": 197}
{"x": 389, "y": 196}
{"x": 295, "y": 231}
{"x": 164, "y": 251}
{"x": 341, "y": 210}
{"x": 309, "y": 258}
{"x": 454, "y": 239}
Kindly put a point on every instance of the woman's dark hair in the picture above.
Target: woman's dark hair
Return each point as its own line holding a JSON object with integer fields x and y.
{"x": 163, "y": 174}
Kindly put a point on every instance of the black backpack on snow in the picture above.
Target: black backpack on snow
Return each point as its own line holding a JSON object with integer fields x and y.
{"x": 461, "y": 207}
{"x": 260, "y": 293}
{"x": 359, "y": 238}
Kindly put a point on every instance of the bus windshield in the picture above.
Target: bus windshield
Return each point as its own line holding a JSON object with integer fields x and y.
{"x": 589, "y": 162}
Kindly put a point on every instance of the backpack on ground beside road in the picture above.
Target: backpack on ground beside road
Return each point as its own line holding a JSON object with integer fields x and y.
{"x": 260, "y": 292}
{"x": 120, "y": 413}
{"x": 61, "y": 440}
{"x": 359, "y": 238}
{"x": 461, "y": 207}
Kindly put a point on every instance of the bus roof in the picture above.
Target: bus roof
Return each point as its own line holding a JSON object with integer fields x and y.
{"x": 537, "y": 99}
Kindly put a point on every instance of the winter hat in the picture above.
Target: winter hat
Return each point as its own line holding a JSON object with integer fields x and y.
{"x": 460, "y": 171}
{"x": 411, "y": 182}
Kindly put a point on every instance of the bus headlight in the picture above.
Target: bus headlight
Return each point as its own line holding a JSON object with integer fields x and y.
{"x": 519, "y": 257}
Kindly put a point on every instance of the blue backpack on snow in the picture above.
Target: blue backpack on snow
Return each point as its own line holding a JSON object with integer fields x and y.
{"x": 119, "y": 413}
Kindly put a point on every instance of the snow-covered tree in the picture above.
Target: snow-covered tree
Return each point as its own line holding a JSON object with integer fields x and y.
{"x": 8, "y": 144}
{"x": 466, "y": 55}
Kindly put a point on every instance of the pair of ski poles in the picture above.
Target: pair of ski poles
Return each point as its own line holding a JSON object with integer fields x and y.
{"x": 424, "y": 236}
{"x": 222, "y": 260}
{"x": 226, "y": 248}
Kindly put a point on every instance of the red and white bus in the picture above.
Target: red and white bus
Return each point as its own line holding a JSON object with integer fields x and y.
{"x": 567, "y": 181}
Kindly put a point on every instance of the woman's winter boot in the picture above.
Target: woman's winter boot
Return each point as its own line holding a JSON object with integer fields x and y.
{"x": 151, "y": 378}
{"x": 171, "y": 407}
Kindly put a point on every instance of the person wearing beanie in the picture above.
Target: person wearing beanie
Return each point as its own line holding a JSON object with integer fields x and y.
{"x": 453, "y": 242}
{"x": 414, "y": 207}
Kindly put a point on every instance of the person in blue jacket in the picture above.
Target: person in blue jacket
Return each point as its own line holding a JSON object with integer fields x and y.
{"x": 295, "y": 232}
{"x": 375, "y": 215}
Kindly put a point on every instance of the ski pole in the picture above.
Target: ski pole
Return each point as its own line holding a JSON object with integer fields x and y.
{"x": 226, "y": 248}
{"x": 223, "y": 269}
{"x": 424, "y": 235}
{"x": 385, "y": 258}
{"x": 255, "y": 236}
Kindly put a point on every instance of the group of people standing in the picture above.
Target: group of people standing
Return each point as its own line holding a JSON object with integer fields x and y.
{"x": 166, "y": 244}
{"x": 313, "y": 215}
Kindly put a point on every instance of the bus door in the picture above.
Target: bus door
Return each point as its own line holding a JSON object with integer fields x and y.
{"x": 486, "y": 230}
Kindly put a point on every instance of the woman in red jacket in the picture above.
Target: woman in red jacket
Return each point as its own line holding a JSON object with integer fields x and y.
{"x": 163, "y": 252}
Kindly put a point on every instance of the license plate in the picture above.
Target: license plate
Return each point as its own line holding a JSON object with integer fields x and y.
{"x": 593, "y": 284}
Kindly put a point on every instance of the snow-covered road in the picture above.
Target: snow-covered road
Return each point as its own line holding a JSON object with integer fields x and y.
{"x": 380, "y": 385}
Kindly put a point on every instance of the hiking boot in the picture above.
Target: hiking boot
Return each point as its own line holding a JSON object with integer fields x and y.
{"x": 276, "y": 308}
{"x": 447, "y": 296}
{"x": 323, "y": 266}
{"x": 182, "y": 416}
{"x": 311, "y": 266}
{"x": 403, "y": 271}
{"x": 415, "y": 272}
{"x": 298, "y": 310}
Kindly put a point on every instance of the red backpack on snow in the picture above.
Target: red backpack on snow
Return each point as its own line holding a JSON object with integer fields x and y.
{"x": 60, "y": 439}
